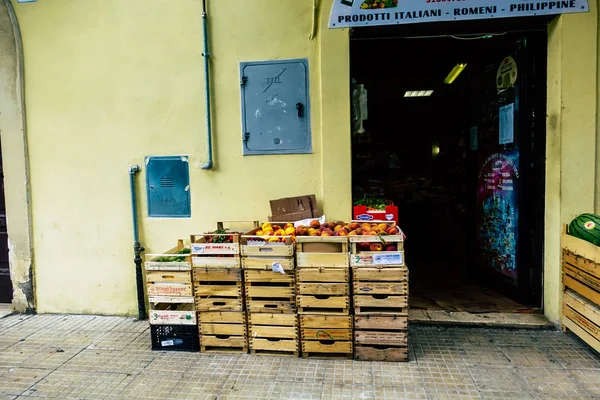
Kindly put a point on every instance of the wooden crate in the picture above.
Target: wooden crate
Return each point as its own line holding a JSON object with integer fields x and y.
{"x": 169, "y": 313}
{"x": 338, "y": 305}
{"x": 216, "y": 275}
{"x": 326, "y": 335}
{"x": 273, "y": 334}
{"x": 271, "y": 306}
{"x": 253, "y": 245}
{"x": 267, "y": 263}
{"x": 317, "y": 275}
{"x": 206, "y": 254}
{"x": 381, "y": 337}
{"x": 380, "y": 304}
{"x": 364, "y": 258}
{"x": 160, "y": 262}
{"x": 381, "y": 280}
{"x": 582, "y": 275}
{"x": 582, "y": 317}
{"x": 322, "y": 252}
{"x": 223, "y": 332}
{"x": 218, "y": 289}
{"x": 380, "y": 353}
{"x": 326, "y": 349}
{"x": 163, "y": 276}
{"x": 169, "y": 289}
{"x": 319, "y": 288}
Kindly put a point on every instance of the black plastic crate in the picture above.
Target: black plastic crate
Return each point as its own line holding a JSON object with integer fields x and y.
{"x": 175, "y": 337}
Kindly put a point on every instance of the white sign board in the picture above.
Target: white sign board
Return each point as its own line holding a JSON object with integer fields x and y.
{"x": 355, "y": 13}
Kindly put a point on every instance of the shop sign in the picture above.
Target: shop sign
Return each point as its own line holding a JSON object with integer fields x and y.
{"x": 355, "y": 13}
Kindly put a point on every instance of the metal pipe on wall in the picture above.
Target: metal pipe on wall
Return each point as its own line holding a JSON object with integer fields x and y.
{"x": 209, "y": 164}
{"x": 137, "y": 247}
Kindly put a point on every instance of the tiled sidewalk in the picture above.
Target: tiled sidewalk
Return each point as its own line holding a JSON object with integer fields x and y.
{"x": 89, "y": 357}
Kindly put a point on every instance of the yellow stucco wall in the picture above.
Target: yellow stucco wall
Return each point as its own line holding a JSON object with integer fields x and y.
{"x": 110, "y": 81}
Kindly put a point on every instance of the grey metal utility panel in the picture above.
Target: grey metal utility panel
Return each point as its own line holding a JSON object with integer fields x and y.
{"x": 168, "y": 186}
{"x": 275, "y": 107}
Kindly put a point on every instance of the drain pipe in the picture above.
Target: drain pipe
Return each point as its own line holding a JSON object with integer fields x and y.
{"x": 206, "y": 55}
{"x": 137, "y": 247}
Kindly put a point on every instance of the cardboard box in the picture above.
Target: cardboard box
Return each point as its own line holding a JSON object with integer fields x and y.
{"x": 294, "y": 208}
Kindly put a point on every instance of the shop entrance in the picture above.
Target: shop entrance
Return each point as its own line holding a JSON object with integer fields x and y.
{"x": 463, "y": 159}
{"x": 5, "y": 283}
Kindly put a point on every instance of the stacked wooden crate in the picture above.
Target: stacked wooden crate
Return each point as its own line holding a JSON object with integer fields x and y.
{"x": 380, "y": 283}
{"x": 169, "y": 290}
{"x": 270, "y": 289}
{"x": 323, "y": 280}
{"x": 581, "y": 279}
{"x": 218, "y": 290}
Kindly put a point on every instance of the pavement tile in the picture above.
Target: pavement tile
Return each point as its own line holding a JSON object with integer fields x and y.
{"x": 484, "y": 355}
{"x": 51, "y": 357}
{"x": 400, "y": 392}
{"x": 304, "y": 370}
{"x": 151, "y": 387}
{"x": 588, "y": 379}
{"x": 115, "y": 340}
{"x": 79, "y": 385}
{"x": 11, "y": 358}
{"x": 109, "y": 361}
{"x": 298, "y": 390}
{"x": 348, "y": 372}
{"x": 446, "y": 376}
{"x": 396, "y": 374}
{"x": 551, "y": 382}
{"x": 505, "y": 337}
{"x": 17, "y": 380}
{"x": 205, "y": 387}
{"x": 343, "y": 392}
{"x": 506, "y": 395}
{"x": 496, "y": 379}
{"x": 452, "y": 394}
{"x": 532, "y": 357}
{"x": 470, "y": 336}
{"x": 240, "y": 387}
{"x": 575, "y": 357}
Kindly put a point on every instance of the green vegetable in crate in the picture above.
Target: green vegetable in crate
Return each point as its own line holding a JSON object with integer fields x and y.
{"x": 586, "y": 227}
{"x": 175, "y": 258}
{"x": 220, "y": 236}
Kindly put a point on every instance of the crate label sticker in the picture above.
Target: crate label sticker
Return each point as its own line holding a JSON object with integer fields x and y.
{"x": 197, "y": 249}
{"x": 364, "y": 217}
{"x": 387, "y": 258}
{"x": 389, "y": 217}
{"x": 277, "y": 267}
{"x": 166, "y": 343}
{"x": 365, "y": 289}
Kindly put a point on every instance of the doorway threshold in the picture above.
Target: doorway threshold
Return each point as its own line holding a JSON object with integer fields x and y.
{"x": 487, "y": 320}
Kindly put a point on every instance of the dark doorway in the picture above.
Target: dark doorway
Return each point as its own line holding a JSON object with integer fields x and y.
{"x": 5, "y": 283}
{"x": 470, "y": 197}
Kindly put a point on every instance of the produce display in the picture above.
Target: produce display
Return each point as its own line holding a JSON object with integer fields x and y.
{"x": 175, "y": 258}
{"x": 586, "y": 227}
{"x": 369, "y": 4}
{"x": 374, "y": 203}
{"x": 219, "y": 236}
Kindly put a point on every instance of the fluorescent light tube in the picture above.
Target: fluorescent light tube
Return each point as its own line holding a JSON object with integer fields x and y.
{"x": 458, "y": 68}
{"x": 418, "y": 93}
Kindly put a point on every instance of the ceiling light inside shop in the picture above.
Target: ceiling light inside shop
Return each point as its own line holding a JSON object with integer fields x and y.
{"x": 458, "y": 68}
{"x": 418, "y": 93}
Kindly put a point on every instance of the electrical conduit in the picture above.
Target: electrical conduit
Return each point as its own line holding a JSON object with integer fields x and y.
{"x": 206, "y": 55}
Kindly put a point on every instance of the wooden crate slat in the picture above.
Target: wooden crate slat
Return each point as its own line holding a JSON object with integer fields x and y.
{"x": 225, "y": 317}
{"x": 395, "y": 288}
{"x": 271, "y": 306}
{"x": 267, "y": 276}
{"x": 273, "y": 319}
{"x": 170, "y": 299}
{"x": 268, "y": 250}
{"x": 587, "y": 279}
{"x": 309, "y": 346}
{"x": 322, "y": 239}
{"x": 582, "y": 289}
{"x": 218, "y": 290}
{"x": 583, "y": 306}
{"x": 380, "y": 353}
{"x": 270, "y": 292}
{"x": 216, "y": 262}
{"x": 384, "y": 274}
{"x": 323, "y": 288}
{"x": 266, "y": 331}
{"x": 278, "y": 346}
{"x": 390, "y": 338}
{"x": 216, "y": 275}
{"x": 219, "y": 304}
{"x": 168, "y": 277}
{"x": 387, "y": 301}
{"x": 231, "y": 341}
{"x": 172, "y": 317}
{"x": 222, "y": 329}
{"x": 326, "y": 260}
{"x": 580, "y": 247}
{"x": 307, "y": 301}
{"x": 266, "y": 263}
{"x": 326, "y": 334}
{"x": 169, "y": 289}
{"x": 581, "y": 333}
{"x": 322, "y": 321}
{"x": 333, "y": 275}
{"x": 383, "y": 322}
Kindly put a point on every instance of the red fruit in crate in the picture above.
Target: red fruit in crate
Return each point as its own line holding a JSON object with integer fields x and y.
{"x": 298, "y": 231}
{"x": 354, "y": 226}
{"x": 392, "y": 230}
{"x": 358, "y": 231}
{"x": 391, "y": 247}
{"x": 341, "y": 232}
{"x": 276, "y": 227}
{"x": 364, "y": 246}
{"x": 323, "y": 227}
{"x": 315, "y": 224}
{"x": 376, "y": 247}
{"x": 331, "y": 225}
